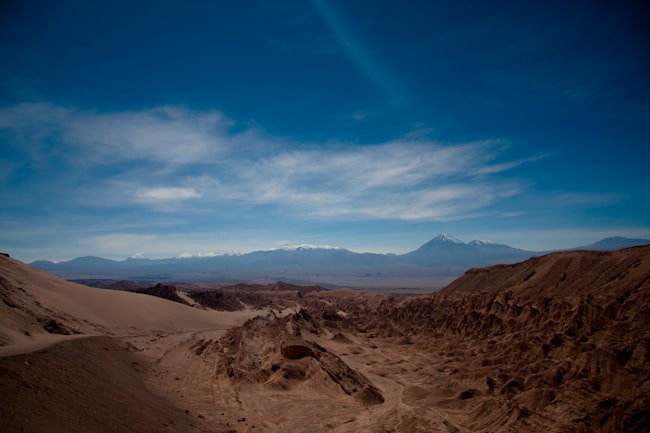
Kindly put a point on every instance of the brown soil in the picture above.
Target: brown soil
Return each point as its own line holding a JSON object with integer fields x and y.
{"x": 559, "y": 343}
{"x": 91, "y": 384}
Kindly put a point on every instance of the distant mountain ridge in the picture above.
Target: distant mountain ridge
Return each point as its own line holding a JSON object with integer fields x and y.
{"x": 614, "y": 243}
{"x": 434, "y": 263}
{"x": 447, "y": 250}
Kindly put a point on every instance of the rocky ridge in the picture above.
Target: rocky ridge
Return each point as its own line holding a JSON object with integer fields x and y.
{"x": 562, "y": 334}
{"x": 558, "y": 343}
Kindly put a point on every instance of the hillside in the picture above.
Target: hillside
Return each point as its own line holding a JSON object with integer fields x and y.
{"x": 558, "y": 343}
{"x": 32, "y": 298}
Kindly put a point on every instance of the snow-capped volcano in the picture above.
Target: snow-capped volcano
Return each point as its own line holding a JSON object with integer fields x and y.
{"x": 446, "y": 249}
{"x": 446, "y": 237}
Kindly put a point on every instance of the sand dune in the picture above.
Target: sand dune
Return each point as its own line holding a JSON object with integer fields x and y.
{"x": 559, "y": 343}
{"x": 87, "y": 385}
{"x": 32, "y": 298}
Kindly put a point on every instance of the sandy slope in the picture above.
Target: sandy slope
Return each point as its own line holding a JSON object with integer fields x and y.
{"x": 87, "y": 385}
{"x": 32, "y": 298}
{"x": 65, "y": 365}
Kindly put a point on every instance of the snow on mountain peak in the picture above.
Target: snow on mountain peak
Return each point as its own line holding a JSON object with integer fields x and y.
{"x": 291, "y": 247}
{"x": 446, "y": 237}
{"x": 482, "y": 242}
{"x": 137, "y": 256}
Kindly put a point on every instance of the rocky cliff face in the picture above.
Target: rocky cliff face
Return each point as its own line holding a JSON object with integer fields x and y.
{"x": 559, "y": 343}
{"x": 563, "y": 339}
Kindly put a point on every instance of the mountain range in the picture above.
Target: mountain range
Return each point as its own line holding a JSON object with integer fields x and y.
{"x": 430, "y": 266}
{"x": 557, "y": 343}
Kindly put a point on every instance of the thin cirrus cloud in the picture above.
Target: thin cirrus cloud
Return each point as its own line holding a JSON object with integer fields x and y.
{"x": 357, "y": 54}
{"x": 162, "y": 156}
{"x": 167, "y": 193}
{"x": 397, "y": 180}
{"x": 168, "y": 134}
{"x": 171, "y": 135}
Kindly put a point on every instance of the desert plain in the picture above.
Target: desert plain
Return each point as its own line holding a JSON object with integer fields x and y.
{"x": 558, "y": 343}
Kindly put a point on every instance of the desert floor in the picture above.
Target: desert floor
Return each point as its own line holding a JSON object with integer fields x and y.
{"x": 555, "y": 344}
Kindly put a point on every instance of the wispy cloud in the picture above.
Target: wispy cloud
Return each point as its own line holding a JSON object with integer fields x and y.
{"x": 357, "y": 54}
{"x": 168, "y": 134}
{"x": 164, "y": 156}
{"x": 396, "y": 180}
{"x": 167, "y": 193}
{"x": 509, "y": 165}
{"x": 172, "y": 135}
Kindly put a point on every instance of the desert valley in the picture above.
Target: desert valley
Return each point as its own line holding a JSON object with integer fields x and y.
{"x": 556, "y": 343}
{"x": 237, "y": 217}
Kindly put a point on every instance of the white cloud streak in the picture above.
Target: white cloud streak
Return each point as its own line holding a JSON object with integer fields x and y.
{"x": 397, "y": 180}
{"x": 164, "y": 194}
{"x": 357, "y": 54}
{"x": 163, "y": 156}
{"x": 168, "y": 134}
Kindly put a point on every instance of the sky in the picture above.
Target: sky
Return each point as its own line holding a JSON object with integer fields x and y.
{"x": 175, "y": 127}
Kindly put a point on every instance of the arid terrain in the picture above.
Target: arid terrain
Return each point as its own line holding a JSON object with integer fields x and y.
{"x": 558, "y": 343}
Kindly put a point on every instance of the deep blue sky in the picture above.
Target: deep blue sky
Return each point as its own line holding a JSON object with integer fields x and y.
{"x": 170, "y": 127}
